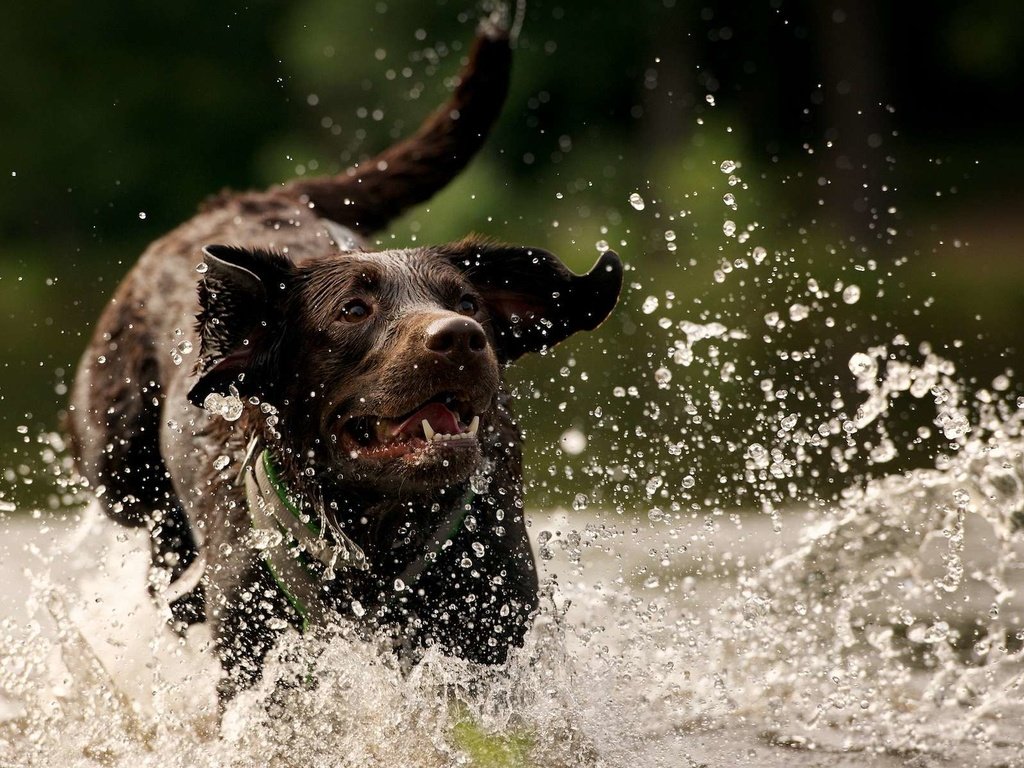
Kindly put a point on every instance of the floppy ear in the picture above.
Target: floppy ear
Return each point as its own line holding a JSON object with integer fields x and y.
{"x": 241, "y": 299}
{"x": 533, "y": 300}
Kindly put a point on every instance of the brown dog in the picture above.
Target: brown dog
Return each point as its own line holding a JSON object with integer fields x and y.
{"x": 344, "y": 441}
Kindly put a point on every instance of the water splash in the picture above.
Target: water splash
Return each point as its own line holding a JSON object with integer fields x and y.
{"x": 97, "y": 678}
{"x": 896, "y": 623}
{"x": 888, "y": 620}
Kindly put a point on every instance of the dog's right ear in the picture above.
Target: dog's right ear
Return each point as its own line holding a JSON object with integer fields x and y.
{"x": 241, "y": 300}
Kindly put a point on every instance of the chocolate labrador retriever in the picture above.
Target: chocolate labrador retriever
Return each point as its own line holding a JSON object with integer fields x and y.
{"x": 338, "y": 438}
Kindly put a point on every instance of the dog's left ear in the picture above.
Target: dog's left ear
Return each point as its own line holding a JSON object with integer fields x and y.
{"x": 533, "y": 299}
{"x": 240, "y": 323}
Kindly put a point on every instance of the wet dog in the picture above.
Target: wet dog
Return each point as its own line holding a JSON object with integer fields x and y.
{"x": 307, "y": 427}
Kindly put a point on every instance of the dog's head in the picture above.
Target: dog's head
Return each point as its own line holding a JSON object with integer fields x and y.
{"x": 383, "y": 368}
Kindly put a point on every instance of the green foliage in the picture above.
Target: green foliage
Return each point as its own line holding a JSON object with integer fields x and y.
{"x": 121, "y": 109}
{"x": 492, "y": 750}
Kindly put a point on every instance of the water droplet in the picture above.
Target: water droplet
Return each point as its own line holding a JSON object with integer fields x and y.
{"x": 262, "y": 539}
{"x": 399, "y": 585}
{"x": 759, "y": 254}
{"x": 728, "y": 166}
{"x": 580, "y": 502}
{"x": 884, "y": 452}
{"x": 931, "y": 634}
{"x": 663, "y": 376}
{"x": 357, "y": 609}
{"x": 729, "y": 228}
{"x": 653, "y": 484}
{"x": 863, "y": 366}
{"x": 221, "y": 462}
{"x": 573, "y": 441}
{"x": 479, "y": 482}
{"x": 650, "y": 304}
{"x": 602, "y": 246}
{"x": 202, "y": 268}
{"x": 799, "y": 312}
{"x": 636, "y": 201}
{"x": 730, "y": 200}
{"x": 953, "y": 424}
{"x": 228, "y": 407}
{"x": 755, "y": 608}
{"x": 851, "y": 294}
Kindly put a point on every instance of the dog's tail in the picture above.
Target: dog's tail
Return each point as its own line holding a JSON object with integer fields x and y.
{"x": 368, "y": 196}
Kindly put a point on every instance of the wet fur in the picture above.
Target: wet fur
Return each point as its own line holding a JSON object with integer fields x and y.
{"x": 138, "y": 436}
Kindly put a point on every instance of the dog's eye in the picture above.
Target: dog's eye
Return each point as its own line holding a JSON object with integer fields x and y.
{"x": 466, "y": 306}
{"x": 356, "y": 311}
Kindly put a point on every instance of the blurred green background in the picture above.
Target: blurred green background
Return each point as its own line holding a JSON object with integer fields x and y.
{"x": 876, "y": 143}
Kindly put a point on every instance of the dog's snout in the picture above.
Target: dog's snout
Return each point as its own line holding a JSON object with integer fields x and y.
{"x": 457, "y": 338}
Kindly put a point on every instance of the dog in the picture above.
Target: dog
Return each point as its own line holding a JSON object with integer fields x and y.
{"x": 308, "y": 428}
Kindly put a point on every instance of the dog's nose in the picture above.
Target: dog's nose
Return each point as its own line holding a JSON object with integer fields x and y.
{"x": 456, "y": 338}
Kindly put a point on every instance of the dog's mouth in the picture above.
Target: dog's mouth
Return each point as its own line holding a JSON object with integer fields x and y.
{"x": 444, "y": 421}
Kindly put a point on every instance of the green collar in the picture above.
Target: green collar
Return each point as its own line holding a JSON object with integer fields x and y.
{"x": 302, "y": 557}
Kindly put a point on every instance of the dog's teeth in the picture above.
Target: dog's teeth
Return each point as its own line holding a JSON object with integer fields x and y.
{"x": 474, "y": 425}
{"x": 428, "y": 431}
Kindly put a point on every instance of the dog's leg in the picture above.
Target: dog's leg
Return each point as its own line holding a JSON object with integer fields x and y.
{"x": 115, "y": 424}
{"x": 174, "y": 549}
{"x": 246, "y": 628}
{"x": 479, "y": 613}
{"x": 366, "y": 198}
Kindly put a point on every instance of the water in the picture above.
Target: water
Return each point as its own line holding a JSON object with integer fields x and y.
{"x": 891, "y": 627}
{"x": 879, "y": 625}
{"x": 859, "y": 615}
{"x": 882, "y": 626}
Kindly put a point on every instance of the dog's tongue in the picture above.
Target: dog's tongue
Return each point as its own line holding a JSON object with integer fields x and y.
{"x": 441, "y": 420}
